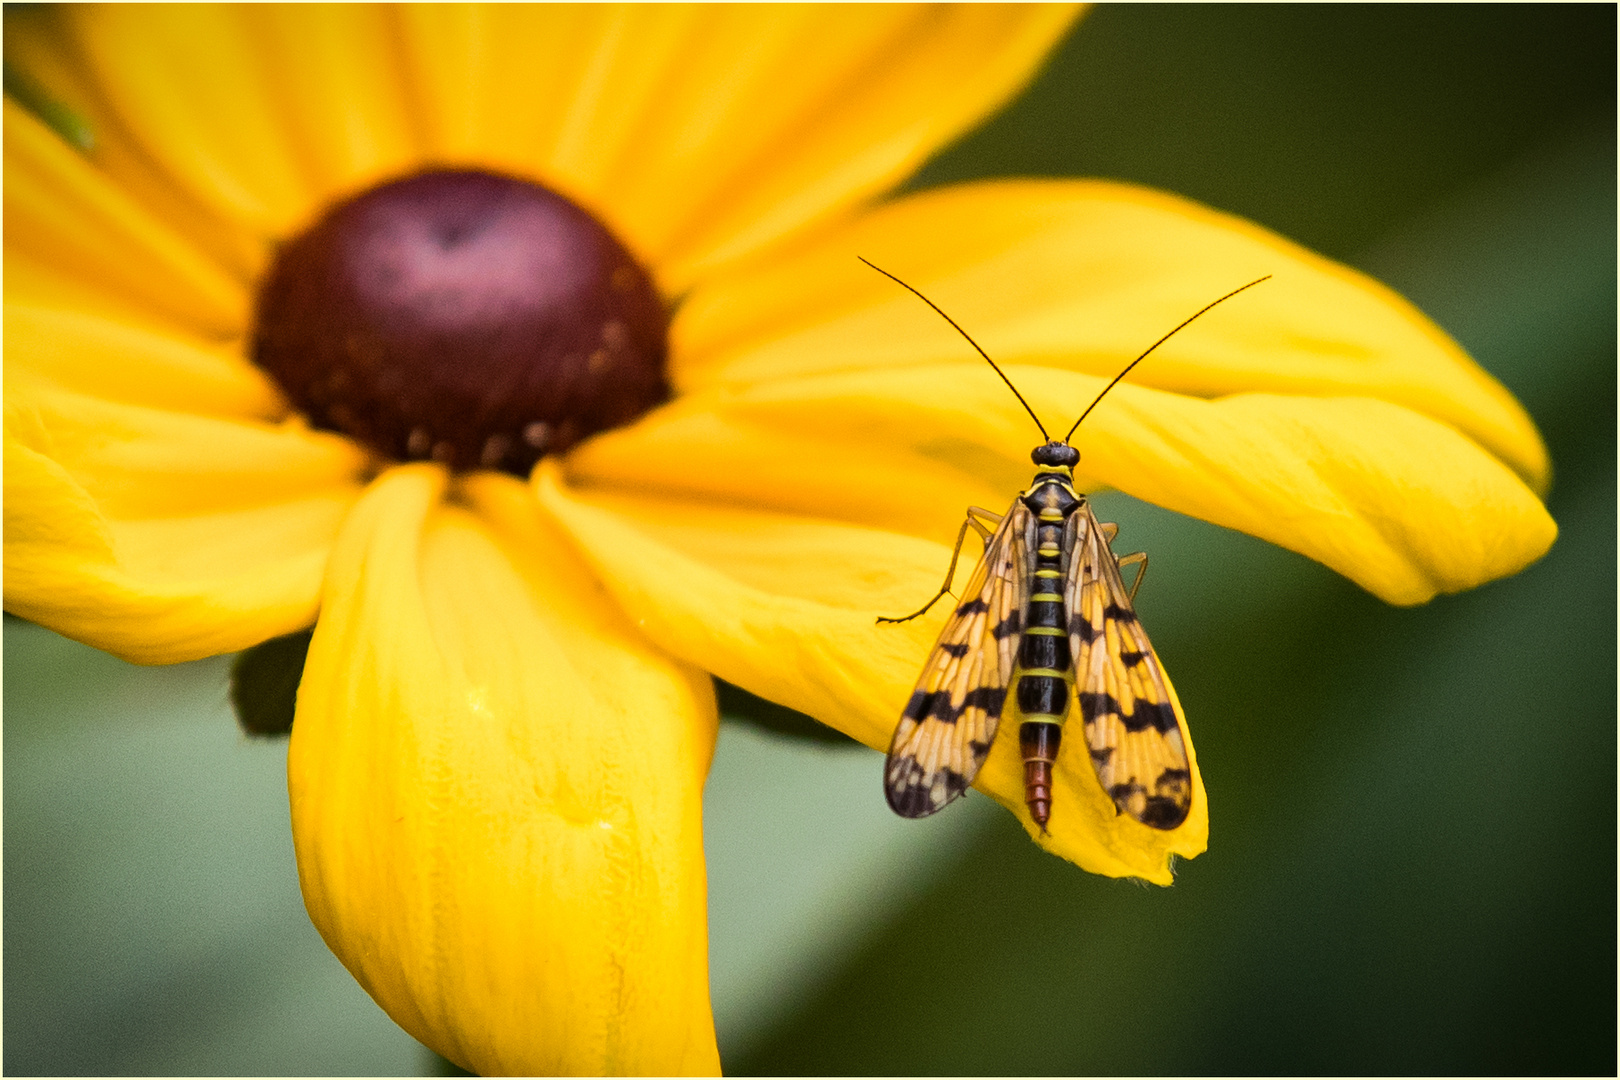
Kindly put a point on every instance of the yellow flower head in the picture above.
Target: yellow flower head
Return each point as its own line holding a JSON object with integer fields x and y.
{"x": 506, "y": 715}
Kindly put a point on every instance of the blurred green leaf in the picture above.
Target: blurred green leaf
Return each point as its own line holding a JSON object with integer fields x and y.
{"x": 264, "y": 683}
{"x": 52, "y": 113}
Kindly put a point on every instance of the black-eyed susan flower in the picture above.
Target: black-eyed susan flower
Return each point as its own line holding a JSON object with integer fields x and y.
{"x": 331, "y": 284}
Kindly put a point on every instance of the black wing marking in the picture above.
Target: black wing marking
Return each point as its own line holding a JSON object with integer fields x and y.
{"x": 948, "y": 726}
{"x": 1133, "y": 728}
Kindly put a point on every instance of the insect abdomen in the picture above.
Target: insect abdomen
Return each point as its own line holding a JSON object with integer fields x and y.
{"x": 1045, "y": 664}
{"x": 1039, "y": 739}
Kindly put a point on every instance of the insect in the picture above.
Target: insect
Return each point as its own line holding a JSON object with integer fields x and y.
{"x": 1046, "y": 613}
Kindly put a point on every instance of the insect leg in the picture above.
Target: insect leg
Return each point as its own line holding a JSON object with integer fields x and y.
{"x": 1138, "y": 557}
{"x": 1109, "y": 530}
{"x": 961, "y": 534}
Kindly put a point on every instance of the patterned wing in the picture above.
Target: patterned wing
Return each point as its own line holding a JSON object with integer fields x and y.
{"x": 948, "y": 726}
{"x": 1133, "y": 728}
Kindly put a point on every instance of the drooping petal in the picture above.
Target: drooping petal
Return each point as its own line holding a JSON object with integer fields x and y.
{"x": 1393, "y": 499}
{"x": 74, "y": 239}
{"x": 786, "y": 607}
{"x": 1396, "y": 501}
{"x": 706, "y": 133}
{"x": 1085, "y": 275}
{"x": 496, "y": 791}
{"x": 164, "y": 536}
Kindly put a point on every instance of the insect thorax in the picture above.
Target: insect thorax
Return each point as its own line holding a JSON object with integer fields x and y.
{"x": 1053, "y": 490}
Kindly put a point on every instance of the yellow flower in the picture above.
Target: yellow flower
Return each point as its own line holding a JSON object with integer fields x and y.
{"x": 506, "y": 715}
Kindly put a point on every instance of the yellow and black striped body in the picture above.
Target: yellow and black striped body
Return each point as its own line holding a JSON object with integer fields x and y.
{"x": 1043, "y": 679}
{"x": 1045, "y": 618}
{"x": 1045, "y": 621}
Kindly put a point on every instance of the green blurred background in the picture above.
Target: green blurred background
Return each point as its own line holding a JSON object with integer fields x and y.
{"x": 1412, "y": 858}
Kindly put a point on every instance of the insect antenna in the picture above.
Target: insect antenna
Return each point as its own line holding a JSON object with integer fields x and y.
{"x": 1144, "y": 355}
{"x": 984, "y": 354}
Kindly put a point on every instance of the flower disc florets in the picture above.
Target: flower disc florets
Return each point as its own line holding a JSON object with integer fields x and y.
{"x": 465, "y": 317}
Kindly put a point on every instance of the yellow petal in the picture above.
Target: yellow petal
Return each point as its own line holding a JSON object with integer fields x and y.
{"x": 39, "y": 46}
{"x": 1085, "y": 275}
{"x": 680, "y": 125}
{"x": 859, "y": 449}
{"x": 89, "y": 244}
{"x": 1392, "y": 499}
{"x": 786, "y": 607}
{"x": 336, "y": 79}
{"x": 496, "y": 793}
{"x": 496, "y": 84}
{"x": 196, "y": 87}
{"x": 117, "y": 361}
{"x": 160, "y": 536}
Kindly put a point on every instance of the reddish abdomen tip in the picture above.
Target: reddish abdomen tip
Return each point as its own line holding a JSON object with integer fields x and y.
{"x": 1039, "y": 741}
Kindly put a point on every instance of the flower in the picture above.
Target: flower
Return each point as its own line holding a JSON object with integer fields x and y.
{"x": 506, "y": 718}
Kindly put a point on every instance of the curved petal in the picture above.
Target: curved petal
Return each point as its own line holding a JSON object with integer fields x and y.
{"x": 786, "y": 607}
{"x": 678, "y": 122}
{"x": 496, "y": 793}
{"x": 1394, "y": 500}
{"x": 1084, "y": 275}
{"x": 160, "y": 536}
{"x": 196, "y": 87}
{"x": 1397, "y": 502}
{"x": 116, "y": 361}
{"x": 40, "y": 47}
{"x": 74, "y": 238}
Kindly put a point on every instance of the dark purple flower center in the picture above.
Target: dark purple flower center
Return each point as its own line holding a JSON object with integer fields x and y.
{"x": 474, "y": 319}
